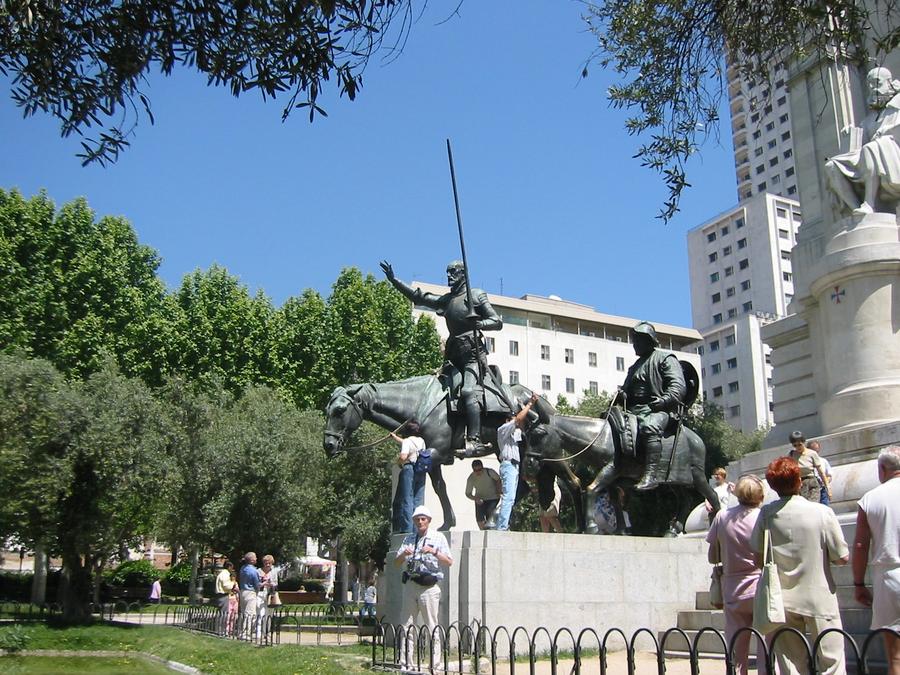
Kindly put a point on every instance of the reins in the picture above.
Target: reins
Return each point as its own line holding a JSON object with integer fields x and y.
{"x": 592, "y": 441}
{"x": 390, "y": 433}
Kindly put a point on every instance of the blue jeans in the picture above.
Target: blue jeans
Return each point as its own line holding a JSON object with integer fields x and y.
{"x": 402, "y": 508}
{"x": 509, "y": 477}
{"x": 418, "y": 489}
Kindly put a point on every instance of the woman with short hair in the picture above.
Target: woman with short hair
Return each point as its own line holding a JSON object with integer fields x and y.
{"x": 812, "y": 470}
{"x": 805, "y": 537}
{"x": 729, "y": 544}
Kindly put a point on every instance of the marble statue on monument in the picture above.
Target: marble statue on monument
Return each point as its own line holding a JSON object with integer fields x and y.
{"x": 872, "y": 163}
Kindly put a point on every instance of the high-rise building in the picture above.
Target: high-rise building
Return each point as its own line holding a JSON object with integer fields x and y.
{"x": 556, "y": 347}
{"x": 741, "y": 279}
{"x": 761, "y": 131}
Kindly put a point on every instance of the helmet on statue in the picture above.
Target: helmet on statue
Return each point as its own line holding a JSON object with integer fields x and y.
{"x": 645, "y": 328}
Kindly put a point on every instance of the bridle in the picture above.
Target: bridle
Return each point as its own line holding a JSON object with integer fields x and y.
{"x": 358, "y": 409}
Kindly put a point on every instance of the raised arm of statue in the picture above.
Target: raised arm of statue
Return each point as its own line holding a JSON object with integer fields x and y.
{"x": 413, "y": 294}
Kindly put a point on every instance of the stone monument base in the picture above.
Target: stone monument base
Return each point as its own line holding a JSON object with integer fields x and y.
{"x": 554, "y": 581}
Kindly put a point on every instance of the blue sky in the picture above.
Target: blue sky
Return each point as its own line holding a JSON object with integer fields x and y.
{"x": 552, "y": 201}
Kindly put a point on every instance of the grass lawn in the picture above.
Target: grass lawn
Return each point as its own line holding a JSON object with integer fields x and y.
{"x": 53, "y": 665}
{"x": 208, "y": 654}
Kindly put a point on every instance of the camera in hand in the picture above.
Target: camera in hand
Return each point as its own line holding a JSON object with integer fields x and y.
{"x": 420, "y": 571}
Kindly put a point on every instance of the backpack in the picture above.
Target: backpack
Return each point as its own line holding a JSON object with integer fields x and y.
{"x": 423, "y": 461}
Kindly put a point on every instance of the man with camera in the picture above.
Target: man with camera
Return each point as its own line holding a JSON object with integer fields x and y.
{"x": 421, "y": 555}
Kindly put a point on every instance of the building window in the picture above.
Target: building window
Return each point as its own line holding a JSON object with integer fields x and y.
{"x": 770, "y": 126}
{"x": 761, "y": 187}
{"x": 792, "y": 189}
{"x": 570, "y": 356}
{"x": 786, "y": 135}
{"x": 757, "y": 134}
{"x": 787, "y": 276}
{"x": 762, "y": 167}
{"x": 729, "y": 291}
{"x": 734, "y": 411}
{"x": 742, "y": 243}
{"x": 729, "y": 271}
{"x": 592, "y": 388}
{"x": 490, "y": 345}
{"x": 771, "y": 144}
{"x": 758, "y": 153}
{"x": 711, "y": 236}
{"x": 745, "y": 285}
{"x": 545, "y": 382}
{"x": 748, "y": 306}
{"x": 789, "y": 172}
{"x": 732, "y": 363}
{"x": 739, "y": 223}
{"x": 592, "y": 359}
{"x": 716, "y": 368}
{"x": 732, "y": 313}
{"x": 733, "y": 387}
{"x": 782, "y": 100}
{"x": 767, "y": 110}
{"x": 773, "y": 161}
{"x": 726, "y": 251}
{"x": 717, "y": 318}
{"x": 545, "y": 352}
{"x": 513, "y": 347}
{"x": 776, "y": 180}
{"x": 754, "y": 117}
{"x": 714, "y": 346}
{"x": 783, "y": 118}
{"x": 713, "y": 256}
{"x": 514, "y": 377}
{"x": 700, "y": 350}
{"x": 716, "y": 297}
{"x": 620, "y": 363}
{"x": 570, "y": 385}
{"x": 743, "y": 264}
{"x": 717, "y": 392}
{"x": 724, "y": 230}
{"x": 787, "y": 154}
{"x": 714, "y": 277}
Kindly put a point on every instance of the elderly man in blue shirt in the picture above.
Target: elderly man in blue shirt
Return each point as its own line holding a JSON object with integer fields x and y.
{"x": 250, "y": 585}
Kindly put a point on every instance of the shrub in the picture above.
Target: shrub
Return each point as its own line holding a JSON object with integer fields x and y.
{"x": 178, "y": 578}
{"x": 133, "y": 573}
{"x": 13, "y": 639}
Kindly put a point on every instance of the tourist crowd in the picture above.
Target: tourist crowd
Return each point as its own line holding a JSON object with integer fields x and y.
{"x": 775, "y": 559}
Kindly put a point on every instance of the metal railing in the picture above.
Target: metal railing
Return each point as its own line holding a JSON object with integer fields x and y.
{"x": 476, "y": 649}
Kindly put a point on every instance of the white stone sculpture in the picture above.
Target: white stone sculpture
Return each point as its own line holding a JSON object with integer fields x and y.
{"x": 873, "y": 160}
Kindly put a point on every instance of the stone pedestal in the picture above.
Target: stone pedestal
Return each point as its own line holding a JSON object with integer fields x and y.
{"x": 561, "y": 580}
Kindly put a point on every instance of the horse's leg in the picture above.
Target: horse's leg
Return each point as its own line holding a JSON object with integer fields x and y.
{"x": 603, "y": 479}
{"x": 702, "y": 486}
{"x": 440, "y": 489}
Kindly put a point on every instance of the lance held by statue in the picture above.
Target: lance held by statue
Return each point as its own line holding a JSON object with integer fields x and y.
{"x": 465, "y": 349}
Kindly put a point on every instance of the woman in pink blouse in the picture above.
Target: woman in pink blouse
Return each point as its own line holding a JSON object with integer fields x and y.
{"x": 729, "y": 543}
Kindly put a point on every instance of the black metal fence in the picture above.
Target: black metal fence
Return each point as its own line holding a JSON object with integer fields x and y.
{"x": 295, "y": 624}
{"x": 476, "y": 649}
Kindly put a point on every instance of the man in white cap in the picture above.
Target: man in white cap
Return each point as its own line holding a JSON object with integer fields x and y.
{"x": 421, "y": 555}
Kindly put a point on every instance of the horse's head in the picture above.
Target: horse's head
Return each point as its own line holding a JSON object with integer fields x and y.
{"x": 343, "y": 415}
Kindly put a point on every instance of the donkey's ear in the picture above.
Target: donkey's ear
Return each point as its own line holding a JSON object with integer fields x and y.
{"x": 353, "y": 390}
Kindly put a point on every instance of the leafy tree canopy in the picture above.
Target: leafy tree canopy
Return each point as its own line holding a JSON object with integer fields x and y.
{"x": 85, "y": 61}
{"x": 671, "y": 57}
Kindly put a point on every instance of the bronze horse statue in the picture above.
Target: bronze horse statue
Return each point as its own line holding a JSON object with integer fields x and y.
{"x": 581, "y": 451}
{"x": 390, "y": 404}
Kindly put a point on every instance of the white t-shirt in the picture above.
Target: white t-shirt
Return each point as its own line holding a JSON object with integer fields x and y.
{"x": 507, "y": 435}
{"x": 882, "y": 507}
{"x": 369, "y": 595}
{"x": 409, "y": 449}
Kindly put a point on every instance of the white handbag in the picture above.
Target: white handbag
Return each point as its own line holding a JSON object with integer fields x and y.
{"x": 768, "y": 605}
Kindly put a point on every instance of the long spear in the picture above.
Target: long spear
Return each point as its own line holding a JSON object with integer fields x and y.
{"x": 462, "y": 243}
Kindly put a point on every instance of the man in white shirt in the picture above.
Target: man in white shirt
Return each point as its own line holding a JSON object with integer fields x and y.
{"x": 507, "y": 436}
{"x": 422, "y": 552}
{"x": 877, "y": 546}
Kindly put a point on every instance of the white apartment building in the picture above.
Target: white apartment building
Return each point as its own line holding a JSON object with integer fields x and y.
{"x": 556, "y": 347}
{"x": 741, "y": 279}
{"x": 761, "y": 131}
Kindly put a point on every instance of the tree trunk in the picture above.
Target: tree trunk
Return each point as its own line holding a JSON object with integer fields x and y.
{"x": 174, "y": 560}
{"x": 194, "y": 597}
{"x": 98, "y": 580}
{"x": 39, "y": 580}
{"x": 77, "y": 592}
